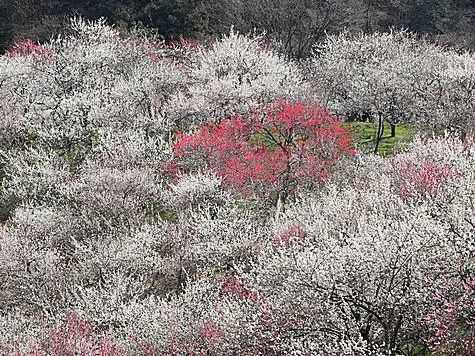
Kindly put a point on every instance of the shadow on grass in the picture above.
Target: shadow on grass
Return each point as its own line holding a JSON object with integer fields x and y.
{"x": 364, "y": 134}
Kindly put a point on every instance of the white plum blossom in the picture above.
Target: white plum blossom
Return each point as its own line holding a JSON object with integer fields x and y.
{"x": 235, "y": 75}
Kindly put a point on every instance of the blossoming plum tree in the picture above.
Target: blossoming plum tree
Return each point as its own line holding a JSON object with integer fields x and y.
{"x": 395, "y": 77}
{"x": 234, "y": 76}
{"x": 285, "y": 147}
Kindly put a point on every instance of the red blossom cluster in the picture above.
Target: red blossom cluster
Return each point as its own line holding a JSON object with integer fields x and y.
{"x": 233, "y": 286}
{"x": 28, "y": 48}
{"x": 75, "y": 337}
{"x": 424, "y": 179}
{"x": 275, "y": 150}
{"x": 452, "y": 322}
{"x": 289, "y": 236}
{"x": 211, "y": 332}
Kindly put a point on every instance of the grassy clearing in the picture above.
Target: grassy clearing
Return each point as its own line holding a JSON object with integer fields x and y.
{"x": 364, "y": 134}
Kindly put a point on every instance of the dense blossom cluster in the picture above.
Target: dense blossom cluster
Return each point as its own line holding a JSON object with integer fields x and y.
{"x": 452, "y": 319}
{"x": 234, "y": 76}
{"x": 396, "y": 77}
{"x": 189, "y": 199}
{"x": 274, "y": 151}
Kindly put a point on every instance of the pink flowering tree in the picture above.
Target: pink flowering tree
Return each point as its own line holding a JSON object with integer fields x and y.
{"x": 431, "y": 169}
{"x": 26, "y": 48}
{"x": 273, "y": 152}
{"x": 74, "y": 336}
{"x": 288, "y": 237}
{"x": 423, "y": 179}
{"x": 451, "y": 322}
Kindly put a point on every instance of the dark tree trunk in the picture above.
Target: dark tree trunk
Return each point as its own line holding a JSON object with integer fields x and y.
{"x": 379, "y": 133}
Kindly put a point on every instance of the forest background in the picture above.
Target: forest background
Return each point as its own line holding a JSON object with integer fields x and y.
{"x": 295, "y": 24}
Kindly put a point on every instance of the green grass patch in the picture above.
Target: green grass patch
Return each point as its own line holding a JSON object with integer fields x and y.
{"x": 364, "y": 134}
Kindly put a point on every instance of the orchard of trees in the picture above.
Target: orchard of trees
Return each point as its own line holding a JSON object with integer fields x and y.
{"x": 206, "y": 198}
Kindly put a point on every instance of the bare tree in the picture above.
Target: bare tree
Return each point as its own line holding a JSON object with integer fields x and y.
{"x": 294, "y": 26}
